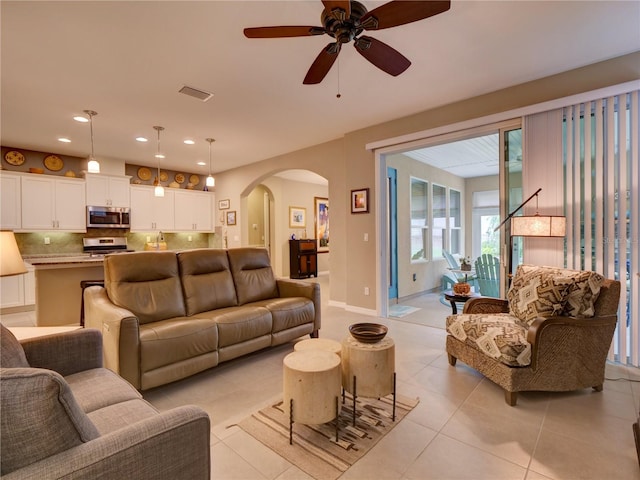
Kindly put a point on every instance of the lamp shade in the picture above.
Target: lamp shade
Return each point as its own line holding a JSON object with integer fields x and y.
{"x": 538, "y": 226}
{"x": 11, "y": 262}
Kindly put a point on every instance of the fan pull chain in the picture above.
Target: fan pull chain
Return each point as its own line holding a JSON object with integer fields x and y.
{"x": 338, "y": 95}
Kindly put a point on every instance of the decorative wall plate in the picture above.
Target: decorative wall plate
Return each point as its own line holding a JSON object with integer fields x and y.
{"x": 194, "y": 179}
{"x": 53, "y": 163}
{"x": 164, "y": 176}
{"x": 13, "y": 157}
{"x": 180, "y": 178}
{"x": 144, "y": 173}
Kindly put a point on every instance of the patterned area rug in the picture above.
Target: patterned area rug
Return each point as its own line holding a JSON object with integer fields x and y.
{"x": 314, "y": 448}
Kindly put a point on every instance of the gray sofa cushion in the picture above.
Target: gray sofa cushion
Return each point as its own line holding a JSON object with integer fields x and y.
{"x": 252, "y": 274}
{"x": 206, "y": 280}
{"x": 40, "y": 417}
{"x": 149, "y": 287}
{"x": 11, "y": 352}
{"x": 120, "y": 415}
{"x": 99, "y": 387}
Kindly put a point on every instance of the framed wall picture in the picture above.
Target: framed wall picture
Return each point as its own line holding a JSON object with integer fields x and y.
{"x": 297, "y": 217}
{"x": 360, "y": 200}
{"x": 231, "y": 217}
{"x": 321, "y": 211}
{"x": 224, "y": 204}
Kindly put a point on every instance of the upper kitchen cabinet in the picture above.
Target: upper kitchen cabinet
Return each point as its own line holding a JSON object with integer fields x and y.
{"x": 53, "y": 203}
{"x": 149, "y": 212}
{"x": 193, "y": 211}
{"x": 10, "y": 217}
{"x": 107, "y": 190}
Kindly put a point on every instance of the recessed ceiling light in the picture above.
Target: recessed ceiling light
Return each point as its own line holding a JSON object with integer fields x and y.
{"x": 141, "y": 139}
{"x": 80, "y": 118}
{"x": 201, "y": 164}
{"x": 189, "y": 142}
{"x": 64, "y": 140}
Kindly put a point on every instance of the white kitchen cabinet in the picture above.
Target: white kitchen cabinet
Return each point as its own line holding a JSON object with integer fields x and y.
{"x": 12, "y": 289}
{"x": 149, "y": 212}
{"x": 53, "y": 203}
{"x": 29, "y": 286}
{"x": 193, "y": 211}
{"x": 10, "y": 217}
{"x": 107, "y": 190}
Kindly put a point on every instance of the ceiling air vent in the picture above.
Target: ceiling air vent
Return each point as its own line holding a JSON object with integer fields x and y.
{"x": 195, "y": 93}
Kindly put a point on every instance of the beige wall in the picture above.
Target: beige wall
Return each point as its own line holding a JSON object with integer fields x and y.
{"x": 348, "y": 165}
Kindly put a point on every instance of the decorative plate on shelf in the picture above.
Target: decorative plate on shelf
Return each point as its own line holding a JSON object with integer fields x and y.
{"x": 180, "y": 178}
{"x": 13, "y": 157}
{"x": 53, "y": 163}
{"x": 194, "y": 179}
{"x": 144, "y": 173}
{"x": 164, "y": 176}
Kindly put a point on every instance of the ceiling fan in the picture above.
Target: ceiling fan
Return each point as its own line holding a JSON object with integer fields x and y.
{"x": 345, "y": 21}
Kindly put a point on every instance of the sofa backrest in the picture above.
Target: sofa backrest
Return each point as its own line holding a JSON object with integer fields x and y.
{"x": 11, "y": 352}
{"x": 252, "y": 274}
{"x": 207, "y": 283}
{"x": 40, "y": 417}
{"x": 145, "y": 283}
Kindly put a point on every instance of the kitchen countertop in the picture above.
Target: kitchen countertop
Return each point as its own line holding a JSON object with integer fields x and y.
{"x": 63, "y": 259}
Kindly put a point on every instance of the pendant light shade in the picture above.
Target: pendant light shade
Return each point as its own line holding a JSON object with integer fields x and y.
{"x": 159, "y": 189}
{"x": 93, "y": 166}
{"x": 211, "y": 182}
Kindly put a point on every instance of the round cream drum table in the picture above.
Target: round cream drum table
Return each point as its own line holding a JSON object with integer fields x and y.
{"x": 318, "y": 344}
{"x": 368, "y": 370}
{"x": 312, "y": 384}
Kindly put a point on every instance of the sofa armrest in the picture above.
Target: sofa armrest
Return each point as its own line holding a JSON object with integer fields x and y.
{"x": 173, "y": 444}
{"x": 566, "y": 341}
{"x": 65, "y": 353}
{"x": 486, "y": 305}
{"x": 298, "y": 288}
{"x": 120, "y": 334}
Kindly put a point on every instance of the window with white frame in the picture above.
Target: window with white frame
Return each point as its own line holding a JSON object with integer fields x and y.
{"x": 419, "y": 219}
{"x": 439, "y": 230}
{"x": 455, "y": 222}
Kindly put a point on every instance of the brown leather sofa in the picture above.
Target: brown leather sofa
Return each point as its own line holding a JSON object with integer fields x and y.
{"x": 167, "y": 315}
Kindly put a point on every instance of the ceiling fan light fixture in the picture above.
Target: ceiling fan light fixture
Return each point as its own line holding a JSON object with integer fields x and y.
{"x": 158, "y": 191}
{"x": 93, "y": 166}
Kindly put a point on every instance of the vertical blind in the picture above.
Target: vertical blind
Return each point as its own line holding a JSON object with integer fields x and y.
{"x": 601, "y": 174}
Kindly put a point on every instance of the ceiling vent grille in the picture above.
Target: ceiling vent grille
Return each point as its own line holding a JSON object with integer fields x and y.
{"x": 196, "y": 93}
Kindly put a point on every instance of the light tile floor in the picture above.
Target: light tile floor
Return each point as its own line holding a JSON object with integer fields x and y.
{"x": 461, "y": 429}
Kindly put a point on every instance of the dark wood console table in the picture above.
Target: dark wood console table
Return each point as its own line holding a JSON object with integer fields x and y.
{"x": 303, "y": 258}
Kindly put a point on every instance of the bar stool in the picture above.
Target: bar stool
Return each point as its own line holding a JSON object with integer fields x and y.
{"x": 84, "y": 284}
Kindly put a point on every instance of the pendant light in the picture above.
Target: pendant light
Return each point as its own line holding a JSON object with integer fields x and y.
{"x": 93, "y": 166}
{"x": 159, "y": 190}
{"x": 211, "y": 182}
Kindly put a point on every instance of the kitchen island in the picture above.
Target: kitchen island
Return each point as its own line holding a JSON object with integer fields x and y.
{"x": 58, "y": 292}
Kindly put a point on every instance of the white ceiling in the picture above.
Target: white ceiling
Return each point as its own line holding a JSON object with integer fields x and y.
{"x": 127, "y": 61}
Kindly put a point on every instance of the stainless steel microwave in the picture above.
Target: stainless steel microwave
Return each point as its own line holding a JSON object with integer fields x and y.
{"x": 108, "y": 217}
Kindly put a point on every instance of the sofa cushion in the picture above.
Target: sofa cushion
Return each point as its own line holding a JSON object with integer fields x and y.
{"x": 40, "y": 417}
{"x": 11, "y": 352}
{"x": 539, "y": 291}
{"x": 207, "y": 283}
{"x": 145, "y": 283}
{"x": 171, "y": 341}
{"x": 498, "y": 335}
{"x": 289, "y": 312}
{"x": 252, "y": 274}
{"x": 239, "y": 324}
{"x": 98, "y": 388}
{"x": 120, "y": 415}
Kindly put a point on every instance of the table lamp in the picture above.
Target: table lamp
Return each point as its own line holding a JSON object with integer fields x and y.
{"x": 11, "y": 262}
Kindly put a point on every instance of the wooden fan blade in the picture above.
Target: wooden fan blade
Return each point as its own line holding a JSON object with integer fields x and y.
{"x": 322, "y": 64}
{"x": 399, "y": 12}
{"x": 382, "y": 55}
{"x": 281, "y": 32}
{"x": 344, "y": 5}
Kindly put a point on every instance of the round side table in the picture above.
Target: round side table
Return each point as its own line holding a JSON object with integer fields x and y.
{"x": 312, "y": 384}
{"x": 368, "y": 370}
{"x": 324, "y": 344}
{"x": 454, "y": 298}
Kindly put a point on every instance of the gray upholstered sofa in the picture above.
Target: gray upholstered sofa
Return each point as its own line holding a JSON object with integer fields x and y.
{"x": 64, "y": 416}
{"x": 168, "y": 315}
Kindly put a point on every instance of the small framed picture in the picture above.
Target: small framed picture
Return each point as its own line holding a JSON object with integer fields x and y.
{"x": 297, "y": 217}
{"x": 360, "y": 200}
{"x": 223, "y": 204}
{"x": 231, "y": 217}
